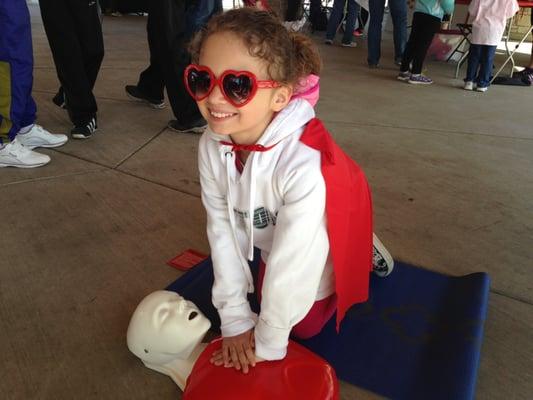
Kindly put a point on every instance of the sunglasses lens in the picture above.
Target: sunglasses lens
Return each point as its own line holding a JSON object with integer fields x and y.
{"x": 199, "y": 82}
{"x": 237, "y": 87}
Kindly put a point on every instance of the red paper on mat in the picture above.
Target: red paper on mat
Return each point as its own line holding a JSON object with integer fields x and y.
{"x": 186, "y": 260}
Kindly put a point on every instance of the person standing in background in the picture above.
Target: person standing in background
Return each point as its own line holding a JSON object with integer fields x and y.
{"x": 74, "y": 32}
{"x": 426, "y": 23}
{"x": 398, "y": 11}
{"x": 18, "y": 132}
{"x": 170, "y": 25}
{"x": 488, "y": 24}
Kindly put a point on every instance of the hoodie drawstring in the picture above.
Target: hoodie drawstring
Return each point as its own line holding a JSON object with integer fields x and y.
{"x": 228, "y": 155}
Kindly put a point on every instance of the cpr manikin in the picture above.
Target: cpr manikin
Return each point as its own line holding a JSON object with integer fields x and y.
{"x": 166, "y": 331}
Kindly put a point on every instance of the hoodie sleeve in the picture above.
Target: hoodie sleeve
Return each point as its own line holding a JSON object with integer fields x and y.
{"x": 298, "y": 256}
{"x": 473, "y": 9}
{"x": 512, "y": 8}
{"x": 229, "y": 293}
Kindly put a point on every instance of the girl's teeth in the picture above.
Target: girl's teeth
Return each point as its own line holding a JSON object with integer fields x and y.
{"x": 220, "y": 115}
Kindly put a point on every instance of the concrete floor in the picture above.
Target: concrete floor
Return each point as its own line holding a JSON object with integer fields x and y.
{"x": 87, "y": 236}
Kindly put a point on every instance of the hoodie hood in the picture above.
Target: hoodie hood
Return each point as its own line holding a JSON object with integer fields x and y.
{"x": 288, "y": 122}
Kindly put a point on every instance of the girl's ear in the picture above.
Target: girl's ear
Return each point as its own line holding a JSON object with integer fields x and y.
{"x": 282, "y": 96}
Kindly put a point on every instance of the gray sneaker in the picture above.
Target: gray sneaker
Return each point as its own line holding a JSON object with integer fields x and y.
{"x": 420, "y": 79}
{"x": 404, "y": 76}
{"x": 197, "y": 126}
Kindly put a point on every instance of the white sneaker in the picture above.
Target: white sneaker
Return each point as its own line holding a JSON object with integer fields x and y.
{"x": 14, "y": 154}
{"x": 382, "y": 262}
{"x": 482, "y": 89}
{"x": 469, "y": 85}
{"x": 40, "y": 137}
{"x": 351, "y": 44}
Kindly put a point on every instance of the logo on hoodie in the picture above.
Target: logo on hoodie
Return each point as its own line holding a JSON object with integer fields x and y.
{"x": 262, "y": 217}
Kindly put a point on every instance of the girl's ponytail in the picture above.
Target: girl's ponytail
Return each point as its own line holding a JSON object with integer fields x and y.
{"x": 306, "y": 58}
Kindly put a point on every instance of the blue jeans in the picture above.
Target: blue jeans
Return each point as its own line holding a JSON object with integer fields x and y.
{"x": 480, "y": 57}
{"x": 336, "y": 16}
{"x": 17, "y": 108}
{"x": 398, "y": 11}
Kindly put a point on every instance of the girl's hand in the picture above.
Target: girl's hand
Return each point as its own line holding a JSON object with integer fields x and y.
{"x": 237, "y": 351}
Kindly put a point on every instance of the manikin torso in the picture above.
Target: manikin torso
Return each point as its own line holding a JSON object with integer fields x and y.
{"x": 166, "y": 331}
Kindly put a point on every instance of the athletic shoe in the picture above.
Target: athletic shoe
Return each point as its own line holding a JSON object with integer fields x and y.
{"x": 469, "y": 85}
{"x": 197, "y": 126}
{"x": 358, "y": 32}
{"x": 14, "y": 154}
{"x": 382, "y": 262}
{"x": 351, "y": 44}
{"x": 404, "y": 76}
{"x": 482, "y": 88}
{"x": 59, "y": 100}
{"x": 40, "y": 137}
{"x": 134, "y": 93}
{"x": 420, "y": 79}
{"x": 526, "y": 71}
{"x": 328, "y": 41}
{"x": 84, "y": 131}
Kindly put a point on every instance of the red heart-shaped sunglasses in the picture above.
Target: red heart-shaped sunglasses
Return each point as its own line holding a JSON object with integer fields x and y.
{"x": 237, "y": 87}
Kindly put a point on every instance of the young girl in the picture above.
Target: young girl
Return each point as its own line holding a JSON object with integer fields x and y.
{"x": 488, "y": 23}
{"x": 426, "y": 22}
{"x": 273, "y": 178}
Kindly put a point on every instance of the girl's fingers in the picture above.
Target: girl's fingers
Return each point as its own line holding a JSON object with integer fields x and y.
{"x": 234, "y": 358}
{"x": 243, "y": 359}
{"x": 226, "y": 355}
{"x": 217, "y": 358}
{"x": 251, "y": 356}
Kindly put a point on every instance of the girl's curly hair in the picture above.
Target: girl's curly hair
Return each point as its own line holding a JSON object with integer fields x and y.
{"x": 290, "y": 56}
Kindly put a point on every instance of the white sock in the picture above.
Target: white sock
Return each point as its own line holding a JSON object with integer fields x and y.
{"x": 25, "y": 129}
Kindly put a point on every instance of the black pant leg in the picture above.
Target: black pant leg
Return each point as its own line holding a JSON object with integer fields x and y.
{"x": 170, "y": 49}
{"x": 429, "y": 25}
{"x": 151, "y": 82}
{"x": 293, "y": 10}
{"x": 89, "y": 31}
{"x": 363, "y": 18}
{"x": 412, "y": 42}
{"x": 70, "y": 57}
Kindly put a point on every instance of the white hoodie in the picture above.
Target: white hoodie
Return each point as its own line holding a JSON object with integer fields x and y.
{"x": 284, "y": 190}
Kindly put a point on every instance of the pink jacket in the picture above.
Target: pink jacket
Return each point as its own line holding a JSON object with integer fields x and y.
{"x": 489, "y": 18}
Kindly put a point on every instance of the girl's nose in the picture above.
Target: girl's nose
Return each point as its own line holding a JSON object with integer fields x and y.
{"x": 216, "y": 96}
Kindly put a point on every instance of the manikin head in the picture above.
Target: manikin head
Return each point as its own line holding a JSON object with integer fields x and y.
{"x": 165, "y": 327}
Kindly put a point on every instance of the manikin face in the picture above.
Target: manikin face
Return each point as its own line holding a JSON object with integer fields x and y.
{"x": 165, "y": 327}
{"x": 225, "y": 51}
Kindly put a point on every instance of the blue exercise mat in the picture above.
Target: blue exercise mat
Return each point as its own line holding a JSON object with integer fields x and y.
{"x": 418, "y": 337}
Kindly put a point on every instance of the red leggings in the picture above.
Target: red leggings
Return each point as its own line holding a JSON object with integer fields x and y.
{"x": 319, "y": 314}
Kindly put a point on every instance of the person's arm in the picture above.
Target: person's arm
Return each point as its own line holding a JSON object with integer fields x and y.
{"x": 231, "y": 284}
{"x": 297, "y": 259}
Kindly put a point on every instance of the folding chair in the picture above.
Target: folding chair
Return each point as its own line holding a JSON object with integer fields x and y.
{"x": 507, "y": 36}
{"x": 464, "y": 30}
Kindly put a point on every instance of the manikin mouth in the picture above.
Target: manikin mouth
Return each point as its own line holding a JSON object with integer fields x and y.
{"x": 193, "y": 315}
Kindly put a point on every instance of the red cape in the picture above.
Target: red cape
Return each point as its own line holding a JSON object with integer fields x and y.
{"x": 349, "y": 218}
